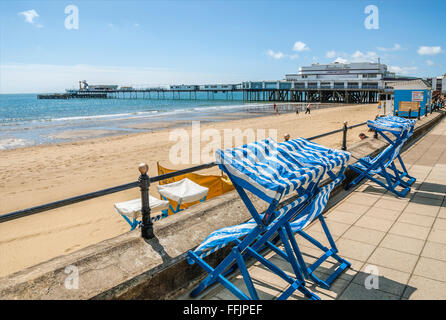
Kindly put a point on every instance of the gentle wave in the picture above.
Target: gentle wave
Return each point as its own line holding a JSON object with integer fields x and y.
{"x": 12, "y": 143}
{"x": 131, "y": 115}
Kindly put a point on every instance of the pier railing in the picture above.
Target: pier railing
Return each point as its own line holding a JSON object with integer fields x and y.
{"x": 144, "y": 182}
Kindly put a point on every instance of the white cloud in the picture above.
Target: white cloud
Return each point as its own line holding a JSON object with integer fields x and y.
{"x": 331, "y": 54}
{"x": 341, "y": 60}
{"x": 280, "y": 55}
{"x": 395, "y": 47}
{"x": 299, "y": 46}
{"x": 275, "y": 55}
{"x": 29, "y": 15}
{"x": 430, "y": 51}
{"x": 402, "y": 70}
{"x": 430, "y": 62}
{"x": 110, "y": 25}
{"x": 136, "y": 24}
{"x": 369, "y": 56}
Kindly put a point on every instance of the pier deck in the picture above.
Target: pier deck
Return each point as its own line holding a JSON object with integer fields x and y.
{"x": 324, "y": 95}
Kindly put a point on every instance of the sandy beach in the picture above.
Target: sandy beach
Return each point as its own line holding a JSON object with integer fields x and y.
{"x": 36, "y": 175}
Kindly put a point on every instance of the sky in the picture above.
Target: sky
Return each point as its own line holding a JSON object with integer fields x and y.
{"x": 48, "y": 46}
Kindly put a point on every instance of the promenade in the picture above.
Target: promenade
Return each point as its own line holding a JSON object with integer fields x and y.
{"x": 403, "y": 239}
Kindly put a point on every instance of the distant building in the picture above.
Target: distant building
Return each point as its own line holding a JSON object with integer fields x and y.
{"x": 438, "y": 84}
{"x": 215, "y": 87}
{"x": 357, "y": 75}
{"x": 100, "y": 87}
{"x": 184, "y": 87}
{"x": 443, "y": 84}
{"x": 218, "y": 87}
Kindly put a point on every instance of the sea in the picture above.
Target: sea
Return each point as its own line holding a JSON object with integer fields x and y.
{"x": 27, "y": 121}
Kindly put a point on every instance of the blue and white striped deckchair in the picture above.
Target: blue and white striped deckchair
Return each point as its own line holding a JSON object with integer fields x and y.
{"x": 383, "y": 164}
{"x": 271, "y": 171}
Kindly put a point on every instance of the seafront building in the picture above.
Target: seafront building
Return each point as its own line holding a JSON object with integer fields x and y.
{"x": 438, "y": 83}
{"x": 360, "y": 75}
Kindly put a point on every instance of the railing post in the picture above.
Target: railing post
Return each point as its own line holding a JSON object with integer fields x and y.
{"x": 396, "y": 113}
{"x": 419, "y": 111}
{"x": 410, "y": 110}
{"x": 431, "y": 109}
{"x": 146, "y": 221}
{"x": 375, "y": 133}
{"x": 344, "y": 136}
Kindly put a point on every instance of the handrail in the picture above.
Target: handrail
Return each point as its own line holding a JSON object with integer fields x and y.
{"x": 96, "y": 194}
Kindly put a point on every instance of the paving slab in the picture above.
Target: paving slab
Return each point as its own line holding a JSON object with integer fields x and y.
{"x": 384, "y": 279}
{"x": 421, "y": 288}
{"x": 402, "y": 244}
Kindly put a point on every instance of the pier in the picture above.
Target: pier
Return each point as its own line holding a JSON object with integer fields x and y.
{"x": 361, "y": 82}
{"x": 235, "y": 92}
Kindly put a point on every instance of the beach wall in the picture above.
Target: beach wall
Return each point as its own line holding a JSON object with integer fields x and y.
{"x": 129, "y": 267}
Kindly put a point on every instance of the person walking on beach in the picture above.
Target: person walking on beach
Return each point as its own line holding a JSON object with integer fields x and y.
{"x": 308, "y": 109}
{"x": 297, "y": 110}
{"x": 276, "y": 109}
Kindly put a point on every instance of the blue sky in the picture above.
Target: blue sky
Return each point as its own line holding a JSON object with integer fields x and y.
{"x": 164, "y": 42}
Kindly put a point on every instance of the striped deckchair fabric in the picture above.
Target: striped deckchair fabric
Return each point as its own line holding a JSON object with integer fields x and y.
{"x": 271, "y": 171}
{"x": 222, "y": 237}
{"x": 392, "y": 124}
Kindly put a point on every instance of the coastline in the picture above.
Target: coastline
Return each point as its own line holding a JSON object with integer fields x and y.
{"x": 38, "y": 174}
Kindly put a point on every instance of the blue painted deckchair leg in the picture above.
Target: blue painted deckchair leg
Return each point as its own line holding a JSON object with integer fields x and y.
{"x": 279, "y": 252}
{"x": 225, "y": 282}
{"x": 245, "y": 274}
{"x": 227, "y": 262}
{"x": 327, "y": 233}
{"x": 291, "y": 257}
{"x": 295, "y": 284}
{"x": 288, "y": 292}
{"x": 327, "y": 253}
{"x": 389, "y": 186}
{"x": 297, "y": 252}
{"x": 411, "y": 179}
{"x": 133, "y": 224}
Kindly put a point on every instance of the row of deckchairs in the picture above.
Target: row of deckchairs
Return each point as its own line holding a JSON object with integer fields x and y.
{"x": 295, "y": 179}
{"x": 179, "y": 192}
{"x": 273, "y": 172}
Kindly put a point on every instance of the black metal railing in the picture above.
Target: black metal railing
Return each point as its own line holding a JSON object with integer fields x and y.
{"x": 143, "y": 183}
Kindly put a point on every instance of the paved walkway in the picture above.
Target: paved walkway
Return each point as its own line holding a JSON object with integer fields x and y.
{"x": 403, "y": 238}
